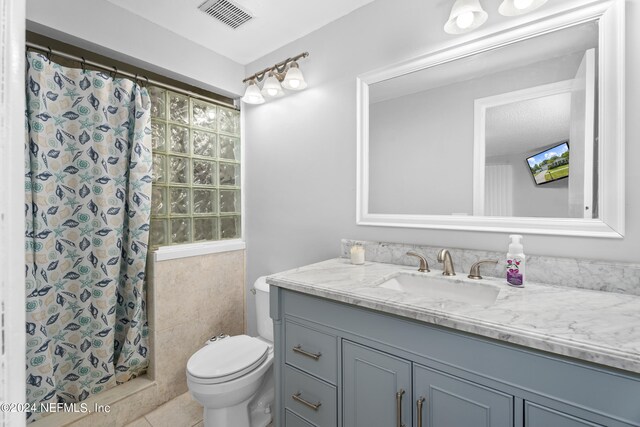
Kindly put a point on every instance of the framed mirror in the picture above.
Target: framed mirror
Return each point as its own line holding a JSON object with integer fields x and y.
{"x": 521, "y": 131}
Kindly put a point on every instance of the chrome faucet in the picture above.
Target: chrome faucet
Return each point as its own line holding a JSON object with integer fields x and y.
{"x": 424, "y": 266}
{"x": 474, "y": 273}
{"x": 445, "y": 257}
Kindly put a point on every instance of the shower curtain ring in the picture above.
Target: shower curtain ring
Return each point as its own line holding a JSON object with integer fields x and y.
{"x": 49, "y": 53}
{"x": 83, "y": 64}
{"x": 147, "y": 79}
{"x": 114, "y": 72}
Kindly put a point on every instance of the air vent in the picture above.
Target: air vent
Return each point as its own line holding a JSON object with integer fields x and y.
{"x": 225, "y": 11}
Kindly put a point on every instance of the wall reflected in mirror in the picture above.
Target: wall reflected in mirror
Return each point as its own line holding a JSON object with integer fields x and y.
{"x": 529, "y": 109}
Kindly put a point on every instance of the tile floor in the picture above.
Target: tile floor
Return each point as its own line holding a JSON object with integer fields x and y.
{"x": 182, "y": 411}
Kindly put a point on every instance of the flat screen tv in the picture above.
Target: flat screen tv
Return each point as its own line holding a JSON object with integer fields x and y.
{"x": 551, "y": 164}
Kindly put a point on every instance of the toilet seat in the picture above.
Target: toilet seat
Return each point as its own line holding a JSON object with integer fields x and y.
{"x": 227, "y": 359}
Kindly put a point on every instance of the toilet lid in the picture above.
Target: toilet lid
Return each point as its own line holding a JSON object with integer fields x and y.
{"x": 227, "y": 359}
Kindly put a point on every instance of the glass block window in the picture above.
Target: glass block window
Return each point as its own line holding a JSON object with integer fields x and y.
{"x": 196, "y": 170}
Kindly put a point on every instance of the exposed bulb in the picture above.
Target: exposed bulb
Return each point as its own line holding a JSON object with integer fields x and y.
{"x": 272, "y": 92}
{"x": 522, "y": 4}
{"x": 465, "y": 19}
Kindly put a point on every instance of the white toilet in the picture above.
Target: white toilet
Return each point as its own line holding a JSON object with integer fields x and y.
{"x": 232, "y": 377}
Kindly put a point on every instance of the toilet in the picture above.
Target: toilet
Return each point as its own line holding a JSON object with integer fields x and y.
{"x": 232, "y": 376}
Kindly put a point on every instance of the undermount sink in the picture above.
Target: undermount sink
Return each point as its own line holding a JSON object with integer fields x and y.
{"x": 443, "y": 288}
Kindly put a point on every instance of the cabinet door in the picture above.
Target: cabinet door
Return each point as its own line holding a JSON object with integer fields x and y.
{"x": 453, "y": 402}
{"x": 539, "y": 416}
{"x": 292, "y": 420}
{"x": 377, "y": 388}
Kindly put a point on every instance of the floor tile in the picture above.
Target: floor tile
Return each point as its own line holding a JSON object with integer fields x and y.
{"x": 181, "y": 411}
{"x": 140, "y": 422}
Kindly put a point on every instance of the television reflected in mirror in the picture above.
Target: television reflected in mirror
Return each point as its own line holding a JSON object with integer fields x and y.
{"x": 551, "y": 164}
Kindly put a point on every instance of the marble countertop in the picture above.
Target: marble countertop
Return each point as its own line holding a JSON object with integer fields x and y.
{"x": 599, "y": 327}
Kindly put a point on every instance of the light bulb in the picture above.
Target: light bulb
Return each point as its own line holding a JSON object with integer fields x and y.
{"x": 464, "y": 20}
{"x": 294, "y": 83}
{"x": 519, "y": 7}
{"x": 294, "y": 80}
{"x": 466, "y": 15}
{"x": 522, "y": 4}
{"x": 252, "y": 95}
{"x": 272, "y": 87}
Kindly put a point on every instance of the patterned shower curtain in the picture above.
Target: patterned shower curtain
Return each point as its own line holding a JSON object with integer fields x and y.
{"x": 88, "y": 186}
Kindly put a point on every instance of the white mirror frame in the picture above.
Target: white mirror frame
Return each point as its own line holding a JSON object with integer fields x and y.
{"x": 611, "y": 123}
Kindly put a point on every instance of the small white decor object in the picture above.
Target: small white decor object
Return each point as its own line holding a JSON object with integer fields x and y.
{"x": 357, "y": 255}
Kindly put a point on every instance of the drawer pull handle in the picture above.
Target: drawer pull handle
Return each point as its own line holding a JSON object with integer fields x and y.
{"x": 314, "y": 356}
{"x": 308, "y": 404}
{"x": 399, "y": 408}
{"x": 419, "y": 404}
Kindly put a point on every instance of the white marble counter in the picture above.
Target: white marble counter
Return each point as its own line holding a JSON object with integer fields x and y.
{"x": 599, "y": 327}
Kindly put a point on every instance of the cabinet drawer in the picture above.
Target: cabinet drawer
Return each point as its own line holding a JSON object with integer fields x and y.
{"x": 292, "y": 420}
{"x": 540, "y": 416}
{"x": 312, "y": 351}
{"x": 310, "y": 398}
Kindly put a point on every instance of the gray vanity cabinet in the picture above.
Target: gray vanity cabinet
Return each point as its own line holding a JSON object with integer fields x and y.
{"x": 448, "y": 401}
{"x": 377, "y": 391}
{"x": 339, "y": 365}
{"x": 376, "y": 387}
{"x": 539, "y": 416}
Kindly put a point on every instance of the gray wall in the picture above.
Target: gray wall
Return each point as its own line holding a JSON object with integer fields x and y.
{"x": 549, "y": 200}
{"x": 301, "y": 149}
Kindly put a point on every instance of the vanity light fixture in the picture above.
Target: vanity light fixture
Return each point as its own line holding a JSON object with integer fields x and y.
{"x": 466, "y": 15}
{"x": 294, "y": 80}
{"x": 285, "y": 74}
{"x": 252, "y": 95}
{"x": 271, "y": 87}
{"x": 519, "y": 7}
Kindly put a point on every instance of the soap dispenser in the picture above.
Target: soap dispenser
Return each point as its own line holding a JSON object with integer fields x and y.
{"x": 515, "y": 264}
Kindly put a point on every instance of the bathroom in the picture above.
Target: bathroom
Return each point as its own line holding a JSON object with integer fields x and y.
{"x": 303, "y": 199}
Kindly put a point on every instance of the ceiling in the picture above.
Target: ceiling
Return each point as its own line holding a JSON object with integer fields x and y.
{"x": 528, "y": 126}
{"x": 275, "y": 23}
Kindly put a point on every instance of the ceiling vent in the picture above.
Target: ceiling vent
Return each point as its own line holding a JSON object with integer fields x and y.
{"x": 225, "y": 11}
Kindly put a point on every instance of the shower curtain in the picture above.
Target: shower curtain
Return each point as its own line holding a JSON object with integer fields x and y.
{"x": 88, "y": 186}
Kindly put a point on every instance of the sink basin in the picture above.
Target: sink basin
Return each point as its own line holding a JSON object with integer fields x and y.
{"x": 443, "y": 288}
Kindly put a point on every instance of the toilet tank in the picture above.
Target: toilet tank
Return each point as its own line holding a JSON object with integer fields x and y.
{"x": 265, "y": 324}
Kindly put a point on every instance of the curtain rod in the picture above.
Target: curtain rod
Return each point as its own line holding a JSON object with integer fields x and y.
{"x": 49, "y": 51}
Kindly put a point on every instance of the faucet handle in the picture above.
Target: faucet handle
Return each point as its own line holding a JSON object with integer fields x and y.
{"x": 424, "y": 266}
{"x": 474, "y": 272}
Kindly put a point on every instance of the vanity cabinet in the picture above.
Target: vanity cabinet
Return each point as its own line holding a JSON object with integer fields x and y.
{"x": 380, "y": 389}
{"x": 539, "y": 416}
{"x": 340, "y": 365}
{"x": 450, "y": 401}
{"x": 376, "y": 387}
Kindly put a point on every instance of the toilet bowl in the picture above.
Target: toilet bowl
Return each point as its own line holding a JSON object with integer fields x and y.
{"x": 232, "y": 377}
